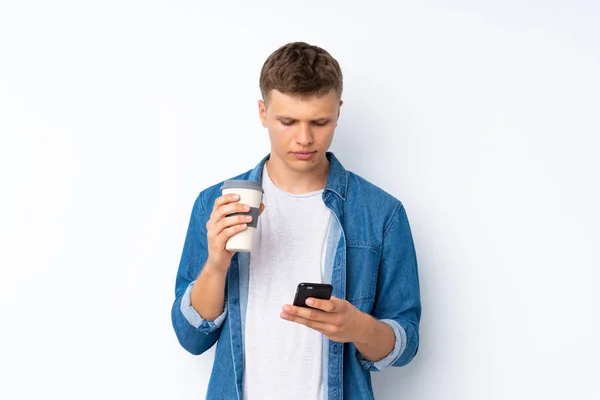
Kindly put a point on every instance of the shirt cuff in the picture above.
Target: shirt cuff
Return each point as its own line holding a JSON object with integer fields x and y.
{"x": 394, "y": 355}
{"x": 192, "y": 316}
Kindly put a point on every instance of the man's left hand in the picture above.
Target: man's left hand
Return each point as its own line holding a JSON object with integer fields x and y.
{"x": 336, "y": 318}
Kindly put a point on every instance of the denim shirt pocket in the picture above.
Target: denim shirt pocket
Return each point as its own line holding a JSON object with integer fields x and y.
{"x": 362, "y": 264}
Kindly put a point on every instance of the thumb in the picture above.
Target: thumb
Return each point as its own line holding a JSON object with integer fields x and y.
{"x": 261, "y": 209}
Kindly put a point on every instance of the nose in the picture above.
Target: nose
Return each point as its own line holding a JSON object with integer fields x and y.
{"x": 304, "y": 136}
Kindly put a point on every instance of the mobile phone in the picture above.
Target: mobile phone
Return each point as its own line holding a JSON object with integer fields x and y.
{"x": 315, "y": 290}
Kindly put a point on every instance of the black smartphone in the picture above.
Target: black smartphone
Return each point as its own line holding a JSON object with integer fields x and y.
{"x": 316, "y": 290}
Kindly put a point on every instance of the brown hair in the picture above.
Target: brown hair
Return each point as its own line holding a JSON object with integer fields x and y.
{"x": 301, "y": 69}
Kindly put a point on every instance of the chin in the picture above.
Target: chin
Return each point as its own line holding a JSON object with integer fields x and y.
{"x": 302, "y": 164}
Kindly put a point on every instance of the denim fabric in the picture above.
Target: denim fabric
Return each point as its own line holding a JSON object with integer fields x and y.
{"x": 370, "y": 261}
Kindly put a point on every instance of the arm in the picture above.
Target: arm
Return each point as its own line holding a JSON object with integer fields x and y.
{"x": 208, "y": 294}
{"x": 200, "y": 309}
{"x": 194, "y": 333}
{"x": 398, "y": 299}
{"x": 379, "y": 342}
{"x": 390, "y": 335}
{"x": 376, "y": 340}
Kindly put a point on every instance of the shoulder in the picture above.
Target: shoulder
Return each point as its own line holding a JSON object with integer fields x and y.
{"x": 369, "y": 195}
{"x": 370, "y": 208}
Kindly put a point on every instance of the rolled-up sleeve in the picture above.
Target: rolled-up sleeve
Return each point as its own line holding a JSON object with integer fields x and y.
{"x": 394, "y": 355}
{"x": 192, "y": 316}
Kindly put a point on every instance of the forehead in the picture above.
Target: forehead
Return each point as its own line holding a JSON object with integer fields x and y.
{"x": 299, "y": 107}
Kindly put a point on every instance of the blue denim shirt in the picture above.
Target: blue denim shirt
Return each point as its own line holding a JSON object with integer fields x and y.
{"x": 370, "y": 261}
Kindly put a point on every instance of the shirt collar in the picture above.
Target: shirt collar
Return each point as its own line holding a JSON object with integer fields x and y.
{"x": 337, "y": 179}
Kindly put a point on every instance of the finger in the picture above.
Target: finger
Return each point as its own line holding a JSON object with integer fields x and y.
{"x": 316, "y": 325}
{"x": 217, "y": 222}
{"x": 261, "y": 208}
{"x": 231, "y": 221}
{"x": 306, "y": 313}
{"x": 228, "y": 209}
{"x": 221, "y": 201}
{"x": 225, "y": 199}
{"x": 321, "y": 304}
{"x": 224, "y": 236}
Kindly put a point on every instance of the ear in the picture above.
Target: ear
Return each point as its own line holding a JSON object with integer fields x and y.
{"x": 262, "y": 112}
{"x": 338, "y": 114}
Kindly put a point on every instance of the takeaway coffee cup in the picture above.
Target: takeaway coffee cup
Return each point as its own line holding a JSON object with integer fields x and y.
{"x": 250, "y": 193}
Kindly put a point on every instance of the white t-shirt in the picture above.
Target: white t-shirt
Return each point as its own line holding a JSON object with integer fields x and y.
{"x": 283, "y": 359}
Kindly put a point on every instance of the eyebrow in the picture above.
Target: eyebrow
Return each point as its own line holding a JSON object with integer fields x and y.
{"x": 321, "y": 119}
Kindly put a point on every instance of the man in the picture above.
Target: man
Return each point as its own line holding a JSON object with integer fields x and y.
{"x": 319, "y": 223}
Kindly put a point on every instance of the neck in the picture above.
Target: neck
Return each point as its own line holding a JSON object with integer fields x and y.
{"x": 297, "y": 182}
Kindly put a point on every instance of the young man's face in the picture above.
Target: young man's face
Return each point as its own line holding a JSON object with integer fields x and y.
{"x": 301, "y": 129}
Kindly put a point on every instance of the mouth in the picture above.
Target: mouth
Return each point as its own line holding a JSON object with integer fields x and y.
{"x": 303, "y": 155}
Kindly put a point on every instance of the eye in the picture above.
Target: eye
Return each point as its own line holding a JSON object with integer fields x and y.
{"x": 287, "y": 123}
{"x": 321, "y": 123}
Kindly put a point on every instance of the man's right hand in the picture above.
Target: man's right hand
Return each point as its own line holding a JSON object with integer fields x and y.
{"x": 208, "y": 294}
{"x": 220, "y": 228}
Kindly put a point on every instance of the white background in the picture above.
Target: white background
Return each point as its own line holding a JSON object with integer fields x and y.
{"x": 482, "y": 117}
